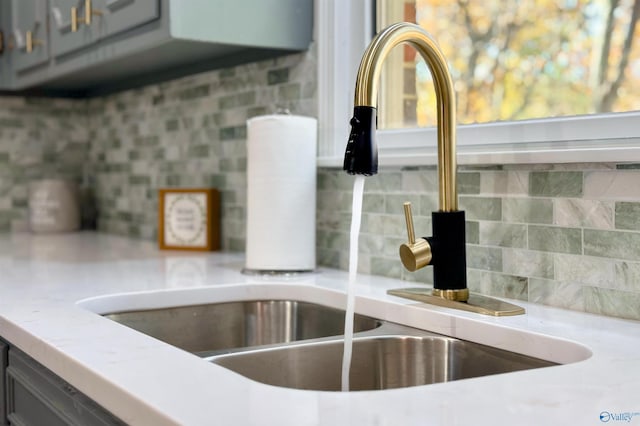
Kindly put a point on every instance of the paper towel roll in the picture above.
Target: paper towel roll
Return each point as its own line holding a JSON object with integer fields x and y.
{"x": 281, "y": 193}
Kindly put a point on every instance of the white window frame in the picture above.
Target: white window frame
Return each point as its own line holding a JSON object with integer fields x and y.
{"x": 344, "y": 29}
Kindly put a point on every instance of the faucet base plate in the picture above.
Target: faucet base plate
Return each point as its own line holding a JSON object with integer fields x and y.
{"x": 476, "y": 302}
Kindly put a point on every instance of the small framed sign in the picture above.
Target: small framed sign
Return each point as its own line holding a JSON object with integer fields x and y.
{"x": 189, "y": 219}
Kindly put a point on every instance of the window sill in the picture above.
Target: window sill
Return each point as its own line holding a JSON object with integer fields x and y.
{"x": 590, "y": 151}
{"x": 579, "y": 139}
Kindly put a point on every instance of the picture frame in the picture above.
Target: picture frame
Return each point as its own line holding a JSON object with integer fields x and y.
{"x": 189, "y": 219}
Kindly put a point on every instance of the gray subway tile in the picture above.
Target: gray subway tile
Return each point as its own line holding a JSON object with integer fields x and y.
{"x": 289, "y": 92}
{"x": 468, "y": 183}
{"x": 627, "y": 215}
{"x": 585, "y": 270}
{"x": 527, "y": 210}
{"x": 256, "y": 111}
{"x": 198, "y": 151}
{"x": 11, "y": 122}
{"x": 328, "y": 258}
{"x": 503, "y": 234}
{"x": 234, "y": 132}
{"x": 555, "y": 239}
{"x": 487, "y": 258}
{"x": 277, "y": 76}
{"x": 576, "y": 212}
{"x": 146, "y": 141}
{"x": 395, "y": 203}
{"x": 387, "y": 181}
{"x": 370, "y": 244}
{"x": 336, "y": 240}
{"x": 246, "y": 98}
{"x": 227, "y": 73}
{"x": 481, "y": 208}
{"x": 504, "y": 182}
{"x": 527, "y": 263}
{"x": 612, "y": 244}
{"x": 497, "y": 284}
{"x": 423, "y": 276}
{"x": 555, "y": 184}
{"x": 391, "y": 246}
{"x": 564, "y": 295}
{"x": 429, "y": 204}
{"x": 627, "y": 276}
{"x": 612, "y": 185}
{"x": 616, "y": 303}
{"x": 472, "y": 232}
{"x": 235, "y": 244}
{"x": 139, "y": 180}
{"x": 386, "y": 267}
{"x": 172, "y": 125}
{"x": 194, "y": 92}
{"x": 628, "y": 166}
{"x": 157, "y": 100}
{"x": 420, "y": 180}
{"x": 373, "y": 203}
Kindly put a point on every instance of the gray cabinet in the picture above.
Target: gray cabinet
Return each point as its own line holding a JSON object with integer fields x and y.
{"x": 29, "y": 33}
{"x": 117, "y": 44}
{"x": 77, "y": 24}
{"x": 35, "y": 396}
{"x": 3, "y": 368}
{"x": 5, "y": 44}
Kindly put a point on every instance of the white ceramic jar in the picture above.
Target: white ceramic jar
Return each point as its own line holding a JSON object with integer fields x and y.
{"x": 53, "y": 206}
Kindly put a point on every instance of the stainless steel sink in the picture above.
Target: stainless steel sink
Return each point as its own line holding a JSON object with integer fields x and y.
{"x": 390, "y": 357}
{"x": 299, "y": 345}
{"x": 220, "y": 327}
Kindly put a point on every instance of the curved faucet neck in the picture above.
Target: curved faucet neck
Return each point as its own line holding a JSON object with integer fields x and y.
{"x": 366, "y": 94}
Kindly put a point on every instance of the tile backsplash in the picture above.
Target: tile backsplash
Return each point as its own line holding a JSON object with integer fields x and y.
{"x": 39, "y": 138}
{"x": 190, "y": 132}
{"x": 561, "y": 235}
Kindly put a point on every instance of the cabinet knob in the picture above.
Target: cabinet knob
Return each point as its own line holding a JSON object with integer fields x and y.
{"x": 415, "y": 254}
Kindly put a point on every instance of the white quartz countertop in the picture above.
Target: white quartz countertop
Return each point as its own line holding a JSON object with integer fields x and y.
{"x": 51, "y": 287}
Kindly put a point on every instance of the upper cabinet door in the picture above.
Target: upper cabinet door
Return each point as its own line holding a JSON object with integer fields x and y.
{"x": 79, "y": 23}
{"x": 5, "y": 33}
{"x": 29, "y": 31}
{"x": 74, "y": 24}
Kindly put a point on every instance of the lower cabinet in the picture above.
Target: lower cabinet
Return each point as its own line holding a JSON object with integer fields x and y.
{"x": 3, "y": 368}
{"x": 34, "y": 396}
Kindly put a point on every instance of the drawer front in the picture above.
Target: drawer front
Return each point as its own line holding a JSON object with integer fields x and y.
{"x": 36, "y": 396}
{"x": 96, "y": 20}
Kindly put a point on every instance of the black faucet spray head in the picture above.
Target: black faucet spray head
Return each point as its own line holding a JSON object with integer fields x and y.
{"x": 361, "y": 155}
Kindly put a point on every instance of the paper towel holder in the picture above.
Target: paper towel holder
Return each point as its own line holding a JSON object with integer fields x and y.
{"x": 281, "y": 185}
{"x": 280, "y": 110}
{"x": 276, "y": 273}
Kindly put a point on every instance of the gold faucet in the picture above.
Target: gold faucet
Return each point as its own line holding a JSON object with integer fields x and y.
{"x": 445, "y": 250}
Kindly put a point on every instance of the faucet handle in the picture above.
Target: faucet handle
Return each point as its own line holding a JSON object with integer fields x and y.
{"x": 408, "y": 217}
{"x": 415, "y": 254}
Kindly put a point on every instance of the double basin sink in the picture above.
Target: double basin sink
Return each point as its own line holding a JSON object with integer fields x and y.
{"x": 299, "y": 345}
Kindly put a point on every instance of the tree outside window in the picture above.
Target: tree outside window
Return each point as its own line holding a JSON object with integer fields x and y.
{"x": 515, "y": 60}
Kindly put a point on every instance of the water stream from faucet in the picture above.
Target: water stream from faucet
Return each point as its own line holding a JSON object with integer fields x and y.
{"x": 356, "y": 217}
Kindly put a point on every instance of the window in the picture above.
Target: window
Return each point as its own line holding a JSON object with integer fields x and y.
{"x": 514, "y": 60}
{"x": 512, "y": 70}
